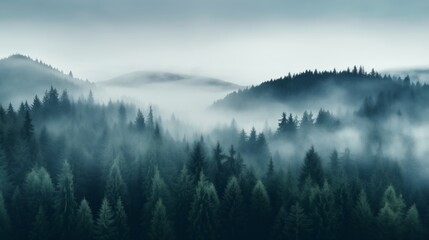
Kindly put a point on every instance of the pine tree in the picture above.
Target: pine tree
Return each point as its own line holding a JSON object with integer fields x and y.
{"x": 65, "y": 104}
{"x": 203, "y": 214}
{"x": 104, "y": 225}
{"x": 233, "y": 165}
{"x": 389, "y": 222}
{"x": 122, "y": 115}
{"x": 27, "y": 128}
{"x": 325, "y": 212}
{"x": 5, "y": 185}
{"x": 4, "y": 220}
{"x": 242, "y": 142}
{"x": 158, "y": 190}
{"x": 412, "y": 226}
{"x": 390, "y": 217}
{"x": 90, "y": 98}
{"x": 218, "y": 168}
{"x": 312, "y": 168}
{"x": 183, "y": 198}
{"x": 395, "y": 201}
{"x": 36, "y": 107}
{"x": 282, "y": 129}
{"x": 232, "y": 211}
{"x": 196, "y": 164}
{"x": 260, "y": 212}
{"x": 273, "y": 186}
{"x": 115, "y": 186}
{"x": 65, "y": 205}
{"x": 150, "y": 121}
{"x": 10, "y": 113}
{"x": 279, "y": 231}
{"x": 120, "y": 222}
{"x": 160, "y": 225}
{"x": 40, "y": 229}
{"x": 263, "y": 153}
{"x": 252, "y": 140}
{"x": 84, "y": 222}
{"x": 363, "y": 218}
{"x": 291, "y": 125}
{"x": 307, "y": 123}
{"x": 139, "y": 122}
{"x": 38, "y": 191}
{"x": 298, "y": 225}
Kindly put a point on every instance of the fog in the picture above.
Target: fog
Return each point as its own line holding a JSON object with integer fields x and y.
{"x": 213, "y": 120}
{"x": 237, "y": 52}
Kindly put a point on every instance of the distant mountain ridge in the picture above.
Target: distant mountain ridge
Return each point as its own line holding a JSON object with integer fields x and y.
{"x": 313, "y": 89}
{"x": 21, "y": 77}
{"x": 144, "y": 78}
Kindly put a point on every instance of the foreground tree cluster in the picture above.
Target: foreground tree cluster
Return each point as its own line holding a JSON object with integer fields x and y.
{"x": 81, "y": 170}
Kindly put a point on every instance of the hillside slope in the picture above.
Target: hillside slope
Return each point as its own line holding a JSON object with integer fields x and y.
{"x": 312, "y": 89}
{"x": 146, "y": 78}
{"x": 21, "y": 77}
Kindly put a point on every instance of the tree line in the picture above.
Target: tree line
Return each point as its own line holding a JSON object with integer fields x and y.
{"x": 83, "y": 170}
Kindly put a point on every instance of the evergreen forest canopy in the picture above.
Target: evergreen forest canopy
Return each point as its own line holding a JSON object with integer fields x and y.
{"x": 87, "y": 170}
{"x": 324, "y": 87}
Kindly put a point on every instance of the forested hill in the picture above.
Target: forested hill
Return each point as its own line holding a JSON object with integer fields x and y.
{"x": 141, "y": 79}
{"x": 314, "y": 88}
{"x": 89, "y": 171}
{"x": 21, "y": 77}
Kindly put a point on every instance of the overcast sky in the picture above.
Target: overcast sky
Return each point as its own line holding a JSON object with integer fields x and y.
{"x": 241, "y": 41}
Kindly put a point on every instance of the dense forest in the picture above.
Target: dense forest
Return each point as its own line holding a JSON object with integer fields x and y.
{"x": 88, "y": 170}
{"x": 349, "y": 86}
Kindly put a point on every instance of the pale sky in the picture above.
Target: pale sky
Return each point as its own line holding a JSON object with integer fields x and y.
{"x": 241, "y": 41}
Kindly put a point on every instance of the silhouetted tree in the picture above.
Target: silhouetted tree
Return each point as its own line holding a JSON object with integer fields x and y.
{"x": 312, "y": 168}
{"x": 160, "y": 225}
{"x": 105, "y": 225}
{"x": 84, "y": 222}
{"x": 203, "y": 216}
{"x": 232, "y": 211}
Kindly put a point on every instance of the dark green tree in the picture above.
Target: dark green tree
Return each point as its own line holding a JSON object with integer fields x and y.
{"x": 5, "y": 226}
{"x": 139, "y": 122}
{"x": 150, "y": 121}
{"x": 325, "y": 212}
{"x": 412, "y": 226}
{"x": 220, "y": 175}
{"x": 307, "y": 123}
{"x": 312, "y": 168}
{"x": 84, "y": 222}
{"x": 282, "y": 128}
{"x": 115, "y": 186}
{"x": 5, "y": 185}
{"x": 298, "y": 225}
{"x": 65, "y": 204}
{"x": 197, "y": 164}
{"x": 105, "y": 225}
{"x": 120, "y": 222}
{"x": 184, "y": 193}
{"x": 232, "y": 211}
{"x": 28, "y": 127}
{"x": 122, "y": 115}
{"x": 159, "y": 190}
{"x": 38, "y": 191}
{"x": 40, "y": 229}
{"x": 363, "y": 218}
{"x": 260, "y": 212}
{"x": 160, "y": 225}
{"x": 203, "y": 216}
{"x": 279, "y": 230}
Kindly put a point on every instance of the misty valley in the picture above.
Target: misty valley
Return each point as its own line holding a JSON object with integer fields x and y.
{"x": 335, "y": 154}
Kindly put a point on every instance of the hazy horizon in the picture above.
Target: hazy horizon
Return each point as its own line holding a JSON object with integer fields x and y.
{"x": 244, "y": 43}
